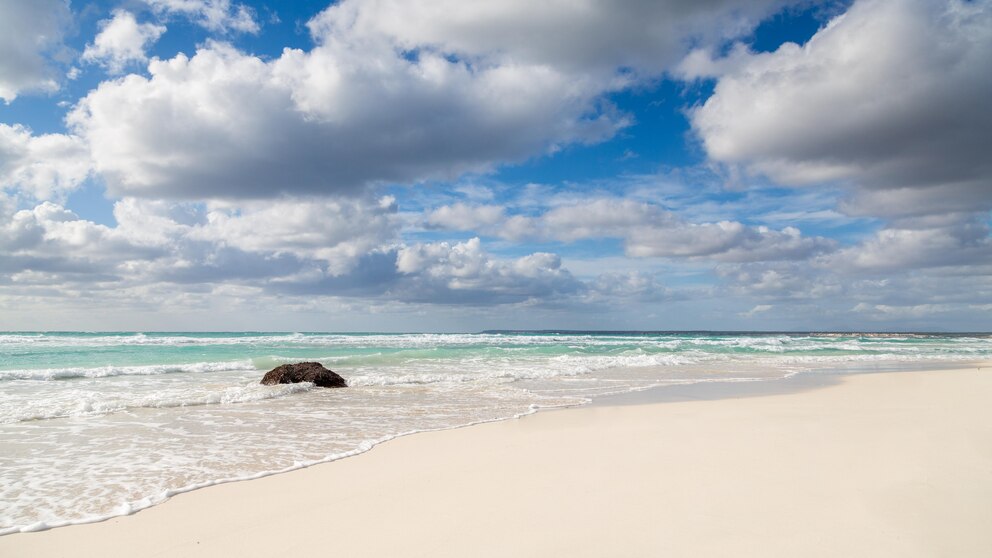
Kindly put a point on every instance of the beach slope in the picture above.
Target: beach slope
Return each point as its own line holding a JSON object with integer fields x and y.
{"x": 894, "y": 464}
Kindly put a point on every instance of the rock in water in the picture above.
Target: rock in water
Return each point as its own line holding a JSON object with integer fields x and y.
{"x": 303, "y": 372}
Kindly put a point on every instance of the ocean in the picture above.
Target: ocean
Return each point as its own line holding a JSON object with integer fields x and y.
{"x": 96, "y": 425}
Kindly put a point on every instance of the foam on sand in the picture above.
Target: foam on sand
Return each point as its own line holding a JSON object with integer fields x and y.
{"x": 876, "y": 465}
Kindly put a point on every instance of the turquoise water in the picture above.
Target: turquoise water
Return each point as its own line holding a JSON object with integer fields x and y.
{"x": 94, "y": 425}
{"x": 62, "y": 352}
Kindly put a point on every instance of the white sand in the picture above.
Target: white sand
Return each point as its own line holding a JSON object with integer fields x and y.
{"x": 878, "y": 465}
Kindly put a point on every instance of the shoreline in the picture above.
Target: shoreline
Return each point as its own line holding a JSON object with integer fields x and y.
{"x": 711, "y": 389}
{"x": 716, "y": 389}
{"x": 242, "y": 502}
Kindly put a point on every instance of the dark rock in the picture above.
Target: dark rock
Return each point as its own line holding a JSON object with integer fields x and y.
{"x": 303, "y": 372}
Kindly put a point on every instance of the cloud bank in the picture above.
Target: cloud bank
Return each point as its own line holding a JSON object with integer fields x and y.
{"x": 843, "y": 179}
{"x": 889, "y": 97}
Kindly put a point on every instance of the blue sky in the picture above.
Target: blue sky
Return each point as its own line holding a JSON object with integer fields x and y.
{"x": 440, "y": 165}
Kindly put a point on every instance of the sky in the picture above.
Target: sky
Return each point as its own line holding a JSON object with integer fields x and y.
{"x": 447, "y": 165}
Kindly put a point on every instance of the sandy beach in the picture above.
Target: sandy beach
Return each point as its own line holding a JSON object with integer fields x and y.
{"x": 385, "y": 278}
{"x": 889, "y": 464}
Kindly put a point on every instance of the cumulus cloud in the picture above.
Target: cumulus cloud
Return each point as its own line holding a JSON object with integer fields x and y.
{"x": 122, "y": 41}
{"x": 156, "y": 241}
{"x": 944, "y": 261}
{"x": 461, "y": 216}
{"x": 465, "y": 273}
{"x": 890, "y": 97}
{"x": 214, "y": 15}
{"x": 394, "y": 92}
{"x": 296, "y": 247}
{"x": 647, "y": 230}
{"x": 594, "y": 36}
{"x": 245, "y": 177}
{"x": 725, "y": 241}
{"x": 776, "y": 281}
{"x": 953, "y": 249}
{"x": 898, "y": 247}
{"x": 887, "y": 100}
{"x": 51, "y": 245}
{"x": 817, "y": 298}
{"x": 29, "y": 33}
{"x": 336, "y": 231}
{"x": 330, "y": 235}
{"x": 627, "y": 286}
{"x": 44, "y": 166}
{"x": 650, "y": 231}
{"x": 306, "y": 250}
{"x": 225, "y": 124}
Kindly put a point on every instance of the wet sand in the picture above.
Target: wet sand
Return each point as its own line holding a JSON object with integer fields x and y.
{"x": 889, "y": 464}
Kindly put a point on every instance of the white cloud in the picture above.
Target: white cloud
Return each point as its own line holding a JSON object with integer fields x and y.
{"x": 888, "y": 102}
{"x": 628, "y": 286}
{"x": 325, "y": 234}
{"x": 725, "y": 241}
{"x": 298, "y": 248}
{"x": 50, "y": 243}
{"x": 891, "y": 96}
{"x": 122, "y": 41}
{"x": 646, "y": 229}
{"x": 248, "y": 178}
{"x": 603, "y": 218}
{"x": 965, "y": 242}
{"x": 758, "y": 309}
{"x": 475, "y": 191}
{"x": 823, "y": 299}
{"x": 224, "y": 124}
{"x": 465, "y": 273}
{"x": 775, "y": 281}
{"x": 29, "y": 33}
{"x": 590, "y": 37}
{"x": 44, "y": 166}
{"x": 157, "y": 243}
{"x": 392, "y": 93}
{"x": 885, "y": 311}
{"x": 912, "y": 269}
{"x": 194, "y": 255}
{"x": 460, "y": 216}
{"x": 214, "y": 15}
{"x": 335, "y": 231}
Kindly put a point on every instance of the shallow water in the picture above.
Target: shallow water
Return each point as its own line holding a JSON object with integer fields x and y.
{"x": 94, "y": 425}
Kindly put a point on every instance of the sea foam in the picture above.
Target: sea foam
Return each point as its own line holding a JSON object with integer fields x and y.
{"x": 102, "y": 424}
